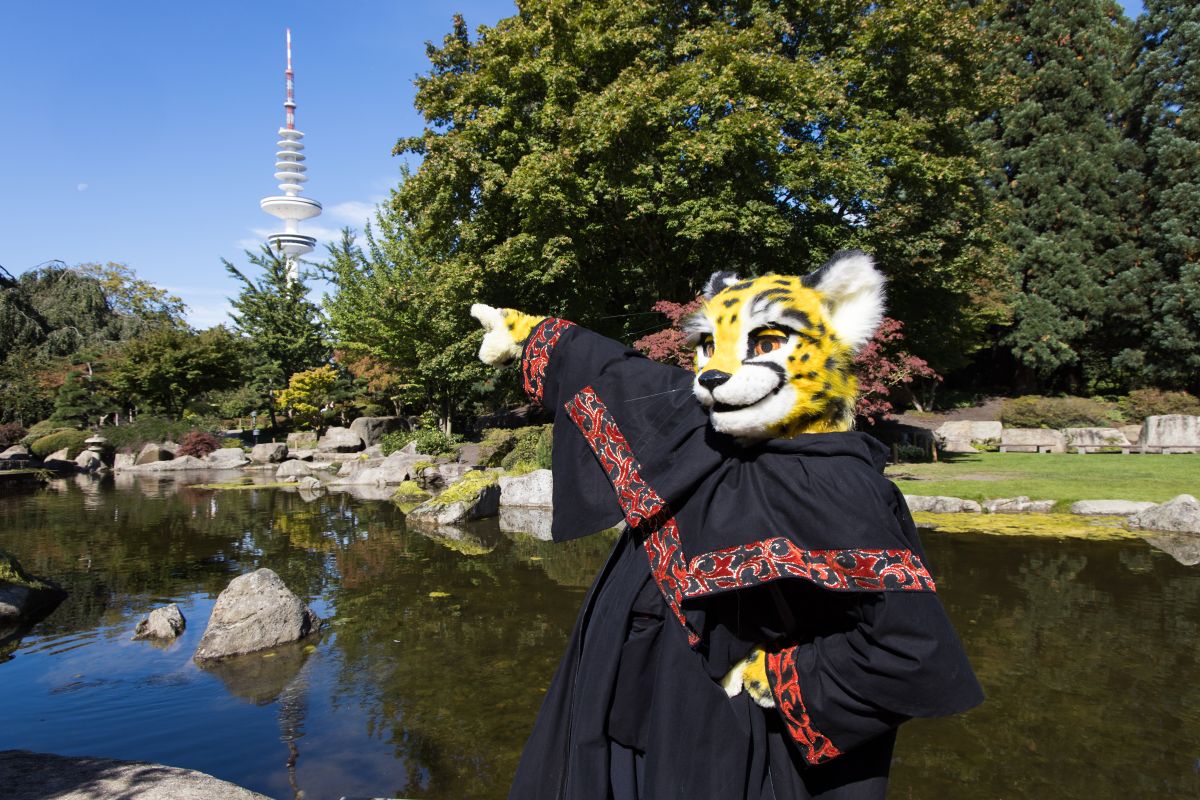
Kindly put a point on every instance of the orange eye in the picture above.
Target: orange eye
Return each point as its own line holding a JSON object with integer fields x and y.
{"x": 706, "y": 348}
{"x": 767, "y": 344}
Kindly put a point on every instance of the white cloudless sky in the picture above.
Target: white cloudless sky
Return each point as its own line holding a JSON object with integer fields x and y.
{"x": 144, "y": 132}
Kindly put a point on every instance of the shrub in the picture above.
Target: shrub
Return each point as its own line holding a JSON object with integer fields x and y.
{"x": 11, "y": 433}
{"x": 147, "y": 429}
{"x": 1058, "y": 412}
{"x": 913, "y": 453}
{"x": 198, "y": 444}
{"x": 232, "y": 442}
{"x": 531, "y": 446}
{"x": 44, "y": 428}
{"x": 1144, "y": 403}
{"x": 72, "y": 439}
{"x": 430, "y": 441}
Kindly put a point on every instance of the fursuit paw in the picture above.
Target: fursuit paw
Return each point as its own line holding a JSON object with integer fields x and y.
{"x": 750, "y": 674}
{"x": 504, "y": 333}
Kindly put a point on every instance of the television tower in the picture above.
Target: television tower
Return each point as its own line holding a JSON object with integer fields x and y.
{"x": 289, "y": 171}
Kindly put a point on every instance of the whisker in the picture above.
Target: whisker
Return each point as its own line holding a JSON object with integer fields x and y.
{"x": 659, "y": 394}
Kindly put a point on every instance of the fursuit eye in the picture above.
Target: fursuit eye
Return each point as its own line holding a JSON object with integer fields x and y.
{"x": 706, "y": 348}
{"x": 767, "y": 344}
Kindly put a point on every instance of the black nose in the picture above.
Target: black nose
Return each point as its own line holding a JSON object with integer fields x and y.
{"x": 712, "y": 378}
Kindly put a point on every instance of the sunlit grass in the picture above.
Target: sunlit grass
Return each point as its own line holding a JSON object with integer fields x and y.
{"x": 1064, "y": 477}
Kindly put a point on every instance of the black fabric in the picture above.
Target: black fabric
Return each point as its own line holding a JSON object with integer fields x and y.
{"x": 635, "y": 710}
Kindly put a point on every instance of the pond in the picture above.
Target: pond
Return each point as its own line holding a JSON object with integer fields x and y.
{"x": 427, "y": 678}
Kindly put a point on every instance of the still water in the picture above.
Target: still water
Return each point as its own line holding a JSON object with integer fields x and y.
{"x": 427, "y": 677}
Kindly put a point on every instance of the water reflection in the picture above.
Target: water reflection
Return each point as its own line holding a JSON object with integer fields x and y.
{"x": 440, "y": 645}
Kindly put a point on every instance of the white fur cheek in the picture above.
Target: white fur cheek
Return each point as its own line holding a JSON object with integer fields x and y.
{"x": 498, "y": 347}
{"x": 703, "y": 395}
{"x": 755, "y": 422}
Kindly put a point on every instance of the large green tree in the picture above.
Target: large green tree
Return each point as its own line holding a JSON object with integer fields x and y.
{"x": 586, "y": 158}
{"x": 1069, "y": 185}
{"x": 285, "y": 328}
{"x": 164, "y": 370}
{"x": 1165, "y": 120}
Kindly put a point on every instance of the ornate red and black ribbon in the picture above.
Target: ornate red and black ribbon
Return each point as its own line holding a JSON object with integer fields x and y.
{"x": 785, "y": 683}
{"x": 536, "y": 358}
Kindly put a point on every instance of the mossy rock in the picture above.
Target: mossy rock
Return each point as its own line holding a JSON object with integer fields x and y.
{"x": 24, "y": 597}
{"x": 73, "y": 440}
{"x": 410, "y": 490}
{"x": 475, "y": 495}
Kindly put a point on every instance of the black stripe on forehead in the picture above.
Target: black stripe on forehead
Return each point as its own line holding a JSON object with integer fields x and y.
{"x": 733, "y": 301}
{"x": 798, "y": 318}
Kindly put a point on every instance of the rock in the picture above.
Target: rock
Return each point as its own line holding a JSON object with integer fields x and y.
{"x": 310, "y": 484}
{"x": 89, "y": 461}
{"x": 59, "y": 455}
{"x": 174, "y": 465}
{"x": 1183, "y": 547}
{"x": 24, "y": 596}
{"x": 533, "y": 489}
{"x": 162, "y": 623}
{"x": 526, "y": 519}
{"x": 372, "y": 429}
{"x": 301, "y": 455}
{"x": 302, "y": 440}
{"x": 364, "y": 492}
{"x": 256, "y": 611}
{"x": 153, "y": 453}
{"x": 1115, "y": 508}
{"x": 340, "y": 440}
{"x": 374, "y": 451}
{"x": 123, "y": 460}
{"x": 293, "y": 469}
{"x": 227, "y": 458}
{"x": 1032, "y": 440}
{"x": 1180, "y": 514}
{"x": 1133, "y": 433}
{"x": 35, "y": 776}
{"x": 269, "y": 453}
{"x": 957, "y": 436}
{"x": 937, "y": 504}
{"x": 453, "y": 471}
{"x": 1091, "y": 440}
{"x": 1170, "y": 433}
{"x": 18, "y": 452}
{"x": 1017, "y": 505}
{"x": 476, "y": 495}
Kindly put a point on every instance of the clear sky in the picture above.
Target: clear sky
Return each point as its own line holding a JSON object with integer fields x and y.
{"x": 144, "y": 132}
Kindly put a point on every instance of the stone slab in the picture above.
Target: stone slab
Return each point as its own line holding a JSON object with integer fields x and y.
{"x": 534, "y": 489}
{"x": 1032, "y": 440}
{"x": 1091, "y": 440}
{"x": 1109, "y": 508}
{"x": 939, "y": 504}
{"x": 1171, "y": 433}
{"x": 1017, "y": 505}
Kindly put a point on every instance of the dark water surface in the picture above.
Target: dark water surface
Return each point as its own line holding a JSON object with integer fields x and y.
{"x": 427, "y": 678}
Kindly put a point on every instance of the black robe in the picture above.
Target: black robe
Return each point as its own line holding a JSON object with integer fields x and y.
{"x": 800, "y": 546}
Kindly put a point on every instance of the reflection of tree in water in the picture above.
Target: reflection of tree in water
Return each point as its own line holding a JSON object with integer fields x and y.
{"x": 1075, "y": 648}
{"x": 454, "y": 680}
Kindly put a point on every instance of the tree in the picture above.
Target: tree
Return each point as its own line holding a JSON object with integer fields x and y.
{"x": 133, "y": 297}
{"x": 884, "y": 367}
{"x": 307, "y": 393}
{"x": 1164, "y": 85}
{"x": 670, "y": 345}
{"x": 169, "y": 367}
{"x": 1067, "y": 180}
{"x": 76, "y": 403}
{"x": 284, "y": 327}
{"x": 587, "y": 158}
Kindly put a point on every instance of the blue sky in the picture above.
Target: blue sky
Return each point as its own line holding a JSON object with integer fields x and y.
{"x": 144, "y": 132}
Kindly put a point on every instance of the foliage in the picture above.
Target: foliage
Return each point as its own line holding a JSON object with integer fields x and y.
{"x": 882, "y": 366}
{"x": 1164, "y": 122}
{"x": 71, "y": 439}
{"x": 532, "y": 445}
{"x": 162, "y": 371}
{"x": 1142, "y": 403}
{"x": 285, "y": 329}
{"x": 11, "y": 433}
{"x": 467, "y": 488}
{"x": 198, "y": 444}
{"x": 1067, "y": 181}
{"x": 76, "y": 403}
{"x": 670, "y": 345}
{"x": 429, "y": 441}
{"x": 307, "y": 393}
{"x": 1058, "y": 412}
{"x": 133, "y": 297}
{"x": 150, "y": 429}
{"x": 913, "y": 453}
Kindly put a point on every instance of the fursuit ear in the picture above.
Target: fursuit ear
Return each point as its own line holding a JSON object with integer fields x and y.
{"x": 718, "y": 281}
{"x": 852, "y": 289}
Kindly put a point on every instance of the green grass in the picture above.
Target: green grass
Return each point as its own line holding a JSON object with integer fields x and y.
{"x": 1064, "y": 477}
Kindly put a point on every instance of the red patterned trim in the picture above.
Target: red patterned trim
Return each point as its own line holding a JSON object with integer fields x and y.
{"x": 537, "y": 355}
{"x": 785, "y": 683}
{"x": 736, "y": 567}
{"x": 771, "y": 559}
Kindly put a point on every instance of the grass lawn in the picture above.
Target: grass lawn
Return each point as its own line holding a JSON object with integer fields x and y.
{"x": 1065, "y": 477}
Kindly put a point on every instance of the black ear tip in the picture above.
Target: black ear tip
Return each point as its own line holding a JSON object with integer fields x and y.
{"x": 813, "y": 278}
{"x": 718, "y": 281}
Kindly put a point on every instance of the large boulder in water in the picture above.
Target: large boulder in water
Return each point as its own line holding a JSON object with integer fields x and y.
{"x": 475, "y": 495}
{"x": 534, "y": 489}
{"x": 1180, "y": 515}
{"x": 372, "y": 429}
{"x": 255, "y": 612}
{"x": 339, "y": 440}
{"x": 162, "y": 623}
{"x": 24, "y": 597}
{"x": 269, "y": 453}
{"x": 152, "y": 453}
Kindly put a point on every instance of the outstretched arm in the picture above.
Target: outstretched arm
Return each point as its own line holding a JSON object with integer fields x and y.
{"x": 504, "y": 333}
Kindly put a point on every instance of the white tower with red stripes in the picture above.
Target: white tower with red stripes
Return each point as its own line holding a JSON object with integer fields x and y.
{"x": 289, "y": 171}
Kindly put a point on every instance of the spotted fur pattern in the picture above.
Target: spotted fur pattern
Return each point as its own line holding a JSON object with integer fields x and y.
{"x": 774, "y": 355}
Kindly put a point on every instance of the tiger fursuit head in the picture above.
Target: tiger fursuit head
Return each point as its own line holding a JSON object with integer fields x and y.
{"x": 774, "y": 354}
